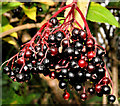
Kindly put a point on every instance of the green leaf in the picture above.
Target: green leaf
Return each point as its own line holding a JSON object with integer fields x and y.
{"x": 4, "y": 21}
{"x": 8, "y": 27}
{"x": 31, "y": 13}
{"x": 98, "y": 13}
{"x": 15, "y": 85}
{"x": 10, "y": 40}
{"x": 59, "y": 18}
{"x": 9, "y": 6}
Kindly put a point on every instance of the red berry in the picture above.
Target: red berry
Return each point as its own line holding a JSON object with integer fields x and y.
{"x": 91, "y": 68}
{"x": 66, "y": 95}
{"x": 90, "y": 54}
{"x": 46, "y": 35}
{"x": 20, "y": 61}
{"x": 105, "y": 80}
{"x": 89, "y": 42}
{"x": 82, "y": 34}
{"x": 52, "y": 75}
{"x": 83, "y": 96}
{"x": 82, "y": 63}
{"x": 53, "y": 51}
{"x": 28, "y": 53}
{"x": 97, "y": 88}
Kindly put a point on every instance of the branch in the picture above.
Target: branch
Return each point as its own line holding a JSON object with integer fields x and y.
{"x": 22, "y": 27}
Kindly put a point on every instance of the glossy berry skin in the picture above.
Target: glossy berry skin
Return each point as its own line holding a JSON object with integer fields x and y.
{"x": 95, "y": 78}
{"x": 90, "y": 54}
{"x": 52, "y": 75}
{"x": 73, "y": 64}
{"x": 71, "y": 75}
{"x": 101, "y": 72}
{"x": 78, "y": 87}
{"x": 98, "y": 88}
{"x": 89, "y": 43}
{"x": 66, "y": 95}
{"x": 78, "y": 45}
{"x": 37, "y": 48}
{"x": 46, "y": 62}
{"x": 20, "y": 61}
{"x": 29, "y": 66}
{"x": 53, "y": 51}
{"x": 41, "y": 68}
{"x": 81, "y": 63}
{"x": 96, "y": 60}
{"x": 39, "y": 9}
{"x": 100, "y": 53}
{"x": 53, "y": 21}
{"x": 6, "y": 69}
{"x": 105, "y": 80}
{"x": 91, "y": 90}
{"x": 83, "y": 96}
{"x": 59, "y": 76}
{"x": 77, "y": 53}
{"x": 65, "y": 42}
{"x": 64, "y": 71}
{"x": 88, "y": 75}
{"x": 69, "y": 51}
{"x": 111, "y": 98}
{"x": 28, "y": 53}
{"x": 102, "y": 63}
{"x": 59, "y": 36}
{"x": 75, "y": 33}
{"x": 62, "y": 84}
{"x": 82, "y": 34}
{"x": 20, "y": 77}
{"x": 105, "y": 89}
{"x": 40, "y": 54}
{"x": 80, "y": 77}
{"x": 51, "y": 38}
{"x": 91, "y": 68}
{"x": 25, "y": 68}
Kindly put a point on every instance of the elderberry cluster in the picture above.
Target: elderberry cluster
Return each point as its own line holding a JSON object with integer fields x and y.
{"x": 70, "y": 55}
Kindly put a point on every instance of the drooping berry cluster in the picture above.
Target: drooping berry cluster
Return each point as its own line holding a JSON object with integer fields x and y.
{"x": 67, "y": 53}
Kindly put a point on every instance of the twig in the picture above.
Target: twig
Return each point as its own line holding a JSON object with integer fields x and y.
{"x": 53, "y": 84}
{"x": 22, "y": 27}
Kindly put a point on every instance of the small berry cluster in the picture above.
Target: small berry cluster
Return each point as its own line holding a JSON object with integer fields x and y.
{"x": 67, "y": 53}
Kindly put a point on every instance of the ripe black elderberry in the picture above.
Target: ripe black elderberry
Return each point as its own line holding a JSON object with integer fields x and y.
{"x": 69, "y": 51}
{"x": 39, "y": 9}
{"x": 51, "y": 38}
{"x": 111, "y": 98}
{"x": 62, "y": 84}
{"x": 59, "y": 36}
{"x": 91, "y": 90}
{"x": 6, "y": 69}
{"x": 75, "y": 33}
{"x": 53, "y": 21}
{"x": 78, "y": 87}
{"x": 105, "y": 89}
{"x": 20, "y": 77}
